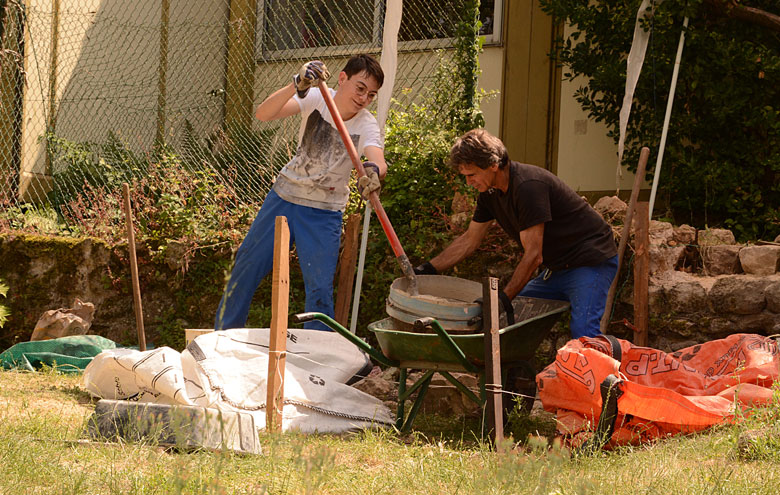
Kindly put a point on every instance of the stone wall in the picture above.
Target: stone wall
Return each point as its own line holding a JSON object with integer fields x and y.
{"x": 45, "y": 273}
{"x": 704, "y": 285}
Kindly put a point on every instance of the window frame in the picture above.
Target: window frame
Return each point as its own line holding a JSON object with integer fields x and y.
{"x": 263, "y": 55}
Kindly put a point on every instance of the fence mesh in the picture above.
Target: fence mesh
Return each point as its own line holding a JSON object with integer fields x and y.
{"x": 161, "y": 94}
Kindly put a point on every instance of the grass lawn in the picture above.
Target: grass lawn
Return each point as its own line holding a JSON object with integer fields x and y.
{"x": 43, "y": 450}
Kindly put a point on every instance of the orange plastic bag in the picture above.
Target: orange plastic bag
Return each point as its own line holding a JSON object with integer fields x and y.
{"x": 658, "y": 394}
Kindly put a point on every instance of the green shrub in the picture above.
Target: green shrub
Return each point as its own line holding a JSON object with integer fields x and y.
{"x": 3, "y": 310}
{"x": 721, "y": 165}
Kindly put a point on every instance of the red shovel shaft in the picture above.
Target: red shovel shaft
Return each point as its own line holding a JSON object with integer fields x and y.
{"x": 395, "y": 244}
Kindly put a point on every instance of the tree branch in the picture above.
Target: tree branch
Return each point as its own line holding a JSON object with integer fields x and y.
{"x": 730, "y": 8}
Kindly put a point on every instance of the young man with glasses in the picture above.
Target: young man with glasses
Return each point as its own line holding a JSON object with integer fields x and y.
{"x": 313, "y": 188}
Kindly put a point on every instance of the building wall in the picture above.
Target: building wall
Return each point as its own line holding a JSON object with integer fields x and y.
{"x": 491, "y": 63}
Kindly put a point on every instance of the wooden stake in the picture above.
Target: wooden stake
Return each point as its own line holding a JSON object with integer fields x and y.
{"x": 638, "y": 178}
{"x": 139, "y": 312}
{"x": 346, "y": 276}
{"x": 280, "y": 299}
{"x": 641, "y": 273}
{"x": 494, "y": 404}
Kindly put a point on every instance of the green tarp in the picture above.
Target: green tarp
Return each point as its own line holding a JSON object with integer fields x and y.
{"x": 68, "y": 354}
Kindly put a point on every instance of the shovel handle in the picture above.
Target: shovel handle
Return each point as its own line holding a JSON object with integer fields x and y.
{"x": 373, "y": 197}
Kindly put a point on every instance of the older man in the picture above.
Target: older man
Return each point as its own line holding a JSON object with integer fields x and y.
{"x": 557, "y": 229}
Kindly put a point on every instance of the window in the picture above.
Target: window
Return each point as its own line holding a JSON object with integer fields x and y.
{"x": 296, "y": 28}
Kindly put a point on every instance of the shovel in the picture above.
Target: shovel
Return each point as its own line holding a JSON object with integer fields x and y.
{"x": 398, "y": 250}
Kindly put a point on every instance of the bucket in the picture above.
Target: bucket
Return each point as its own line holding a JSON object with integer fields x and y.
{"x": 450, "y": 300}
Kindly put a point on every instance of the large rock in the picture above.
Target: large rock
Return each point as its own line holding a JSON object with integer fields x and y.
{"x": 663, "y": 258}
{"x": 445, "y": 399}
{"x": 711, "y": 237}
{"x": 721, "y": 259}
{"x": 678, "y": 292}
{"x": 684, "y": 234}
{"x": 687, "y": 297}
{"x": 612, "y": 208}
{"x": 764, "y": 323}
{"x": 656, "y": 298}
{"x": 772, "y": 293}
{"x": 738, "y": 294}
{"x": 377, "y": 386}
{"x": 760, "y": 260}
{"x": 64, "y": 322}
{"x": 660, "y": 233}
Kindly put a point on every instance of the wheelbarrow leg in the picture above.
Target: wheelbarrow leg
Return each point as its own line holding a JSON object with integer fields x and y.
{"x": 422, "y": 384}
{"x": 403, "y": 394}
{"x": 399, "y": 416}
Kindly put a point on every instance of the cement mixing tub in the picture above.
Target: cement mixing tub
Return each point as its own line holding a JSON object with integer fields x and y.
{"x": 442, "y": 352}
{"x": 450, "y": 300}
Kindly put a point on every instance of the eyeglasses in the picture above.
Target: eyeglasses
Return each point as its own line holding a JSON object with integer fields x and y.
{"x": 362, "y": 90}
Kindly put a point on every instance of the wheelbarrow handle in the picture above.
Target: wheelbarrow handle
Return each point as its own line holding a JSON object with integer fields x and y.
{"x": 336, "y": 327}
{"x": 304, "y": 317}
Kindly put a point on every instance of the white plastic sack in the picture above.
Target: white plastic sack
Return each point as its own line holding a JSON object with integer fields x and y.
{"x": 228, "y": 370}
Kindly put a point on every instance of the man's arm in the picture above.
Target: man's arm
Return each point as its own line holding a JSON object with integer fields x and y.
{"x": 278, "y": 105}
{"x": 461, "y": 247}
{"x": 376, "y": 155}
{"x": 532, "y": 241}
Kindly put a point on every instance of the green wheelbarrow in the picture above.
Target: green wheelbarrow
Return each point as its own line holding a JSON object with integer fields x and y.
{"x": 412, "y": 346}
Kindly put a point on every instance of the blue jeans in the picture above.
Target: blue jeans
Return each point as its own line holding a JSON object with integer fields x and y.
{"x": 585, "y": 288}
{"x": 316, "y": 234}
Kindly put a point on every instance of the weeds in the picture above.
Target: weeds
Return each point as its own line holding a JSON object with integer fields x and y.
{"x": 42, "y": 417}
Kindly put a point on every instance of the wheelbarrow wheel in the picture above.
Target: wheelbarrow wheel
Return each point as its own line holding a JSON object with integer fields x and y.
{"x": 521, "y": 379}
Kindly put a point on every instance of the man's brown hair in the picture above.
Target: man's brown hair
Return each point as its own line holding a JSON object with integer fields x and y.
{"x": 480, "y": 148}
{"x": 367, "y": 63}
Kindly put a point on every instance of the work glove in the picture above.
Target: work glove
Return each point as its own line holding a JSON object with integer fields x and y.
{"x": 370, "y": 182}
{"x": 425, "y": 269}
{"x": 309, "y": 75}
{"x": 506, "y": 307}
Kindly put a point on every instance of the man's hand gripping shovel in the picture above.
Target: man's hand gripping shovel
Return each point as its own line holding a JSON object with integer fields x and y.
{"x": 400, "y": 255}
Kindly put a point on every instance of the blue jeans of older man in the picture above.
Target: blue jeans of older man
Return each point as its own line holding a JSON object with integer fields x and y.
{"x": 584, "y": 287}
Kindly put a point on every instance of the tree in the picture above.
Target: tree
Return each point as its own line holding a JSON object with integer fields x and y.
{"x": 721, "y": 165}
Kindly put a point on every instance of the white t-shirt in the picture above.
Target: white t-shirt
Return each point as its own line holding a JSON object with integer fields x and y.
{"x": 318, "y": 174}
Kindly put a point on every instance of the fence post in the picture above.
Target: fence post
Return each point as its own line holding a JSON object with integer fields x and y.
{"x": 240, "y": 73}
{"x": 494, "y": 404}
{"x": 162, "y": 73}
{"x": 11, "y": 90}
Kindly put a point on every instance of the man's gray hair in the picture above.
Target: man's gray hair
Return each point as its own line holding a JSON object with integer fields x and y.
{"x": 480, "y": 148}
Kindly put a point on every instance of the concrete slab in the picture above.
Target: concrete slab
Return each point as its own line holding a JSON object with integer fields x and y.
{"x": 185, "y": 427}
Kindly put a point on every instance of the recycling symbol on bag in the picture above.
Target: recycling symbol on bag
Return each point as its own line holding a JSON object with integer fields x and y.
{"x": 317, "y": 380}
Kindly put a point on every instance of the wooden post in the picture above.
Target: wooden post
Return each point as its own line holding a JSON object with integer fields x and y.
{"x": 139, "y": 312}
{"x": 490, "y": 326}
{"x": 641, "y": 273}
{"x": 346, "y": 276}
{"x": 280, "y": 299}
{"x": 639, "y": 176}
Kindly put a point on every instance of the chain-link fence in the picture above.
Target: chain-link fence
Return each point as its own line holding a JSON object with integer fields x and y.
{"x": 100, "y": 92}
